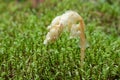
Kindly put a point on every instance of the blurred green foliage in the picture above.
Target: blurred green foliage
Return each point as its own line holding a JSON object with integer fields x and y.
{"x": 23, "y": 29}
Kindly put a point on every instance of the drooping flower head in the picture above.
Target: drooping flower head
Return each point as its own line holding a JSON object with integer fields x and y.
{"x": 67, "y": 20}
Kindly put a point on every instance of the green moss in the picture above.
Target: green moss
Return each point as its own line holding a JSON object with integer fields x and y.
{"x": 24, "y": 56}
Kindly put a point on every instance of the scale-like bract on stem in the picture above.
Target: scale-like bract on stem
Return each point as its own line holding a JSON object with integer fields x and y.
{"x": 74, "y": 24}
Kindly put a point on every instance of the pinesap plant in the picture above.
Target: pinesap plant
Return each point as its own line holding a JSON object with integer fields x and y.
{"x": 74, "y": 24}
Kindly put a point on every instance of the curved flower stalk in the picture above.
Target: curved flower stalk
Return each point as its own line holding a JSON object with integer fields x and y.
{"x": 74, "y": 24}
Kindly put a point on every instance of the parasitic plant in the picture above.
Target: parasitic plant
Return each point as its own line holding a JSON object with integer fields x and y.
{"x": 74, "y": 24}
